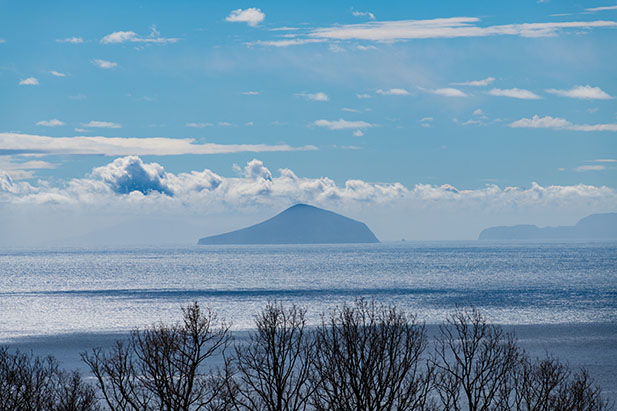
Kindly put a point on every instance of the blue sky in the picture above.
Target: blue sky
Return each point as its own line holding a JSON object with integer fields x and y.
{"x": 462, "y": 98}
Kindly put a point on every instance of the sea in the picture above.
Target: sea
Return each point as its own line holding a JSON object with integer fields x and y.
{"x": 558, "y": 298}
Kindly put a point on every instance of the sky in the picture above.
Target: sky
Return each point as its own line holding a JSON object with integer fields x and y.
{"x": 166, "y": 121}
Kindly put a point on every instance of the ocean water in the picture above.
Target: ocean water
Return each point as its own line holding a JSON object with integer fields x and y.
{"x": 557, "y": 297}
{"x": 47, "y": 292}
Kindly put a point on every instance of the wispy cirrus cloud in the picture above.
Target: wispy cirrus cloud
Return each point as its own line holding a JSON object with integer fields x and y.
{"x": 449, "y": 92}
{"x": 515, "y": 93}
{"x": 590, "y": 168}
{"x": 57, "y": 73}
{"x": 101, "y": 124}
{"x": 368, "y": 14}
{"x": 198, "y": 125}
{"x": 603, "y": 8}
{"x": 393, "y": 92}
{"x": 72, "y": 40}
{"x": 251, "y": 16}
{"x": 446, "y": 28}
{"x": 154, "y": 37}
{"x": 342, "y": 124}
{"x": 558, "y": 123}
{"x": 319, "y": 96}
{"x": 476, "y": 83}
{"x": 582, "y": 92}
{"x": 122, "y": 146}
{"x": 104, "y": 64}
{"x": 54, "y": 122}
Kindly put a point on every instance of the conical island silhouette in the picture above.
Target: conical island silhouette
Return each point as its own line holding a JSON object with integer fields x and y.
{"x": 299, "y": 224}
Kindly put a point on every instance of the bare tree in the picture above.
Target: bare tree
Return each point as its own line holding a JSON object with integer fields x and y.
{"x": 368, "y": 357}
{"x": 273, "y": 366}
{"x": 34, "y": 383}
{"x": 475, "y": 363}
{"x": 163, "y": 367}
{"x": 548, "y": 384}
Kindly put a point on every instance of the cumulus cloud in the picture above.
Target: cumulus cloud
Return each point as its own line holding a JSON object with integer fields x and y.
{"x": 319, "y": 96}
{"x": 449, "y": 92}
{"x": 515, "y": 93}
{"x": 251, "y": 16}
{"x": 393, "y": 92}
{"x": 30, "y": 81}
{"x": 128, "y": 181}
{"x": 128, "y": 174}
{"x": 476, "y": 83}
{"x": 72, "y": 40}
{"x": 358, "y": 133}
{"x": 123, "y": 146}
{"x": 104, "y": 64}
{"x": 57, "y": 74}
{"x": 582, "y": 92}
{"x": 118, "y": 37}
{"x": 101, "y": 124}
{"x": 446, "y": 28}
{"x": 54, "y": 122}
{"x": 559, "y": 124}
{"x": 341, "y": 124}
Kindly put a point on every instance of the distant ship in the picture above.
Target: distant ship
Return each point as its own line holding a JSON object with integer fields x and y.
{"x": 299, "y": 224}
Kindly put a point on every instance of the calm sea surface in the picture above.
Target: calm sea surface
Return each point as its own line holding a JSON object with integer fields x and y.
{"x": 46, "y": 292}
{"x": 558, "y": 298}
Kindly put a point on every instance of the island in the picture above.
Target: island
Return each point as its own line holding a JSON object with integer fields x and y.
{"x": 593, "y": 227}
{"x": 299, "y": 224}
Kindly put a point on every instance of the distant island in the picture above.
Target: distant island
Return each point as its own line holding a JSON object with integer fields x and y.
{"x": 299, "y": 224}
{"x": 593, "y": 227}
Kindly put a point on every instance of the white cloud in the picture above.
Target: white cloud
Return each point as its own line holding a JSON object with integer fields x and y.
{"x": 224, "y": 124}
{"x": 427, "y": 119}
{"x": 285, "y": 43}
{"x": 449, "y": 92}
{"x": 363, "y": 96}
{"x": 582, "y": 92}
{"x": 364, "y": 48}
{"x": 18, "y": 170}
{"x": 446, "y": 28}
{"x": 476, "y": 83}
{"x": 123, "y": 146}
{"x": 198, "y": 125}
{"x": 594, "y": 9}
{"x": 101, "y": 124}
{"x": 72, "y": 40}
{"x": 590, "y": 168}
{"x": 605, "y": 160}
{"x": 363, "y": 14}
{"x": 250, "y": 93}
{"x": 50, "y": 123}
{"x": 57, "y": 74}
{"x": 128, "y": 184}
{"x": 341, "y": 124}
{"x": 393, "y": 92}
{"x": 132, "y": 37}
{"x": 2, "y": 41}
{"x": 515, "y": 93}
{"x": 251, "y": 16}
{"x": 104, "y": 64}
{"x": 358, "y": 133}
{"x": 30, "y": 81}
{"x": 350, "y": 110}
{"x": 478, "y": 112}
{"x": 319, "y": 96}
{"x": 559, "y": 123}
